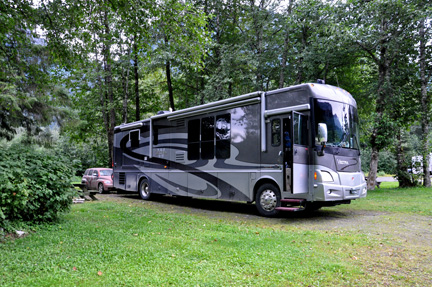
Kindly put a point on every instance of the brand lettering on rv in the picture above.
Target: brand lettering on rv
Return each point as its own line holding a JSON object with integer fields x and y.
{"x": 160, "y": 152}
{"x": 342, "y": 162}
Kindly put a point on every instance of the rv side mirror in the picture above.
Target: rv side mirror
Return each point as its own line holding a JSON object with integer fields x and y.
{"x": 322, "y": 137}
{"x": 322, "y": 133}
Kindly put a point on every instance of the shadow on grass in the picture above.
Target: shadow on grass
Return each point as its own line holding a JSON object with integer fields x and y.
{"x": 223, "y": 208}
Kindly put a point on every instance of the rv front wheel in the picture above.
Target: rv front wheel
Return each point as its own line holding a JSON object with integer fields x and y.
{"x": 144, "y": 189}
{"x": 267, "y": 199}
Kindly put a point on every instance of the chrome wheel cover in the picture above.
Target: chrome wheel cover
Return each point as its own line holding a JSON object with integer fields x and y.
{"x": 144, "y": 190}
{"x": 268, "y": 200}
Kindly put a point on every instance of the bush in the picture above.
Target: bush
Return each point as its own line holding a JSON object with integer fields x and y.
{"x": 34, "y": 185}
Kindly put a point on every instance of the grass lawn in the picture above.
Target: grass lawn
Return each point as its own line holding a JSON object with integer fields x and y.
{"x": 134, "y": 243}
{"x": 391, "y": 199}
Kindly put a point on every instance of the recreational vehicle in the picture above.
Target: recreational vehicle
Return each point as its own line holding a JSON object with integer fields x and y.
{"x": 290, "y": 149}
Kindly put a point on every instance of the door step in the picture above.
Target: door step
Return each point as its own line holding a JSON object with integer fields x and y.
{"x": 293, "y": 201}
{"x": 290, "y": 209}
{"x": 292, "y": 205}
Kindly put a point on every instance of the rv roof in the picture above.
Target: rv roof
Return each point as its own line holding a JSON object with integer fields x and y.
{"x": 318, "y": 90}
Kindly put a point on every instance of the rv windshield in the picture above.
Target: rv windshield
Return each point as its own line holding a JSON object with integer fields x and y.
{"x": 342, "y": 123}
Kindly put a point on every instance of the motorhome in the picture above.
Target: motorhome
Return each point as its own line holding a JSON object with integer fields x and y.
{"x": 290, "y": 149}
{"x": 417, "y": 164}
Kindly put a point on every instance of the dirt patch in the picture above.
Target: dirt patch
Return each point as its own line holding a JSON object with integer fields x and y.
{"x": 401, "y": 255}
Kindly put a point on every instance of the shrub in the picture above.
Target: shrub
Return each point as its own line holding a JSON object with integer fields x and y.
{"x": 34, "y": 185}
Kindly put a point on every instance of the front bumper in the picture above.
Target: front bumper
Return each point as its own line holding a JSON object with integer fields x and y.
{"x": 335, "y": 192}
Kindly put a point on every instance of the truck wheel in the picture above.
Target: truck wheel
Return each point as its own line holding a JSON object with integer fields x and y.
{"x": 267, "y": 199}
{"x": 144, "y": 189}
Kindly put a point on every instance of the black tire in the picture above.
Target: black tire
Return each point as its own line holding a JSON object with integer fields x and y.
{"x": 267, "y": 199}
{"x": 144, "y": 189}
{"x": 101, "y": 188}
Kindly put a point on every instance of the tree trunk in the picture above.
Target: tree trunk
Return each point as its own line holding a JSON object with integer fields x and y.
{"x": 285, "y": 50}
{"x": 169, "y": 83}
{"x": 425, "y": 100}
{"x": 379, "y": 133}
{"x": 137, "y": 98}
{"x": 284, "y": 61}
{"x": 125, "y": 80}
{"x": 109, "y": 90}
{"x": 404, "y": 178}
{"x": 373, "y": 168}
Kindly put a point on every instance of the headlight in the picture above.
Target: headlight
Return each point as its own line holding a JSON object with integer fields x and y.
{"x": 326, "y": 176}
{"x": 107, "y": 182}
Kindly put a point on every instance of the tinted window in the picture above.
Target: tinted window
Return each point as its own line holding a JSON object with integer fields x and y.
{"x": 134, "y": 138}
{"x": 207, "y": 137}
{"x": 155, "y": 135}
{"x": 193, "y": 139}
{"x": 300, "y": 129}
{"x": 276, "y": 132}
{"x": 223, "y": 136}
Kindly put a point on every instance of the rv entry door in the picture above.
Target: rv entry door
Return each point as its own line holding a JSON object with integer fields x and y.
{"x": 300, "y": 150}
{"x": 288, "y": 153}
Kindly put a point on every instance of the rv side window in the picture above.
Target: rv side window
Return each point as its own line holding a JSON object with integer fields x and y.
{"x": 300, "y": 129}
{"x": 276, "y": 132}
{"x": 155, "y": 135}
{"x": 223, "y": 136}
{"x": 207, "y": 138}
{"x": 193, "y": 139}
{"x": 134, "y": 138}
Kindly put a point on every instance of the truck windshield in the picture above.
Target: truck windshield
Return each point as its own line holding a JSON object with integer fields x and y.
{"x": 342, "y": 123}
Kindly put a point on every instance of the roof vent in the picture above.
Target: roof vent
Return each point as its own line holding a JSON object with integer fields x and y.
{"x": 320, "y": 81}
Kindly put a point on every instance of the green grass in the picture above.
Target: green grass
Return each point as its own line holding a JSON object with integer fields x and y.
{"x": 134, "y": 246}
{"x": 416, "y": 200}
{"x": 389, "y": 184}
{"x": 135, "y": 243}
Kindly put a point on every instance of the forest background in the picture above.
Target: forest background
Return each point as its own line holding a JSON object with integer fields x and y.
{"x": 71, "y": 70}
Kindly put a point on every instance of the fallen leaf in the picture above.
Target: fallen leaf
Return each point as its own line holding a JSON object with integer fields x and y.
{"x": 100, "y": 273}
{"x": 74, "y": 268}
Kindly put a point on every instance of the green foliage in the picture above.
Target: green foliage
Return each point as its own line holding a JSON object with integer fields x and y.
{"x": 34, "y": 184}
{"x": 82, "y": 155}
{"x": 386, "y": 163}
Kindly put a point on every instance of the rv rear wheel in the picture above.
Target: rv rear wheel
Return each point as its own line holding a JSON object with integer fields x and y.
{"x": 267, "y": 199}
{"x": 144, "y": 189}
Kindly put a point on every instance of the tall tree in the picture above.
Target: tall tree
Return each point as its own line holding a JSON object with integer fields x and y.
{"x": 379, "y": 29}
{"x": 28, "y": 90}
{"x": 425, "y": 68}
